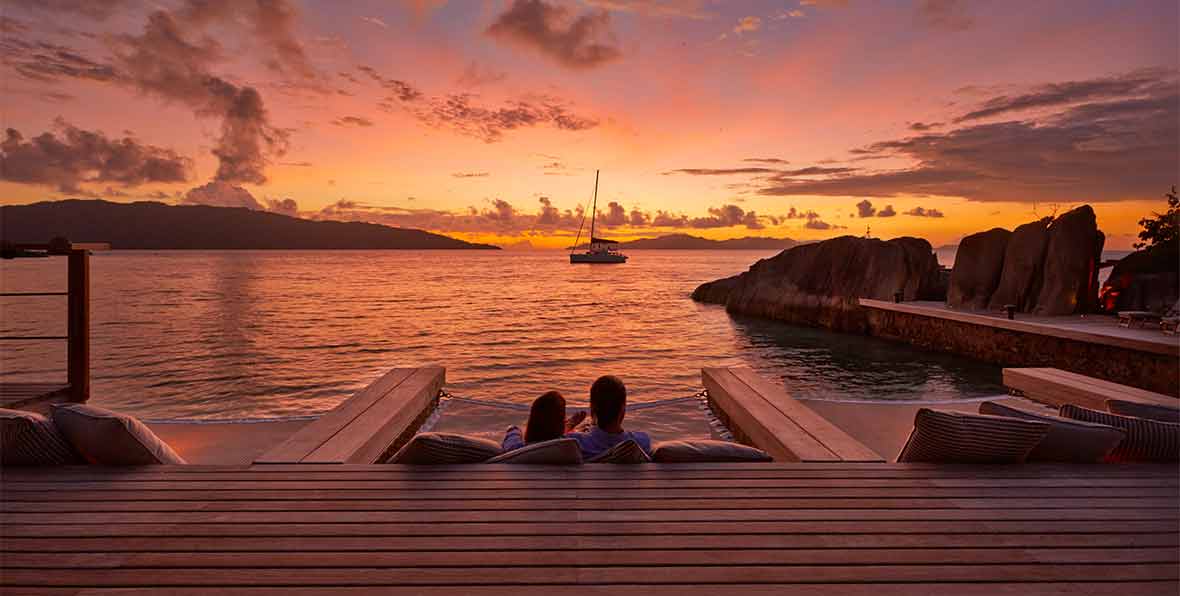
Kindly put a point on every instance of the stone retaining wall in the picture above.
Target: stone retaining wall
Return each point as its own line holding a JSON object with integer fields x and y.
{"x": 1005, "y": 347}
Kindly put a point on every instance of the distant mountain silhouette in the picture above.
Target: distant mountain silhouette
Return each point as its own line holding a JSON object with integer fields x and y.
{"x": 689, "y": 242}
{"x": 152, "y": 225}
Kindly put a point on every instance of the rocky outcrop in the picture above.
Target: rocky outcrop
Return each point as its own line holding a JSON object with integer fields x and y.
{"x": 1024, "y": 256}
{"x": 819, "y": 284}
{"x": 1049, "y": 267}
{"x": 978, "y": 265}
{"x": 1070, "y": 280}
{"x": 1143, "y": 280}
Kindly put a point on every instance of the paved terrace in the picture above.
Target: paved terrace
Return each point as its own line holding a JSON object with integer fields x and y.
{"x": 1093, "y": 328}
{"x": 807, "y": 528}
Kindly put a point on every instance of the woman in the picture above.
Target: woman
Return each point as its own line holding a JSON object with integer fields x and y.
{"x": 546, "y": 421}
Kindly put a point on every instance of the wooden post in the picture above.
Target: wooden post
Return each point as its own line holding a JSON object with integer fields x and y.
{"x": 78, "y": 360}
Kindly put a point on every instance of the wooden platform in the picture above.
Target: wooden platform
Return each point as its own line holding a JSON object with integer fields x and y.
{"x": 763, "y": 414}
{"x": 869, "y": 529}
{"x": 1057, "y": 387}
{"x": 31, "y": 395}
{"x": 367, "y": 426}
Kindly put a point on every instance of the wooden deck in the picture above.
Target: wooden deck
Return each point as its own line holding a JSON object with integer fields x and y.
{"x": 840, "y": 528}
{"x": 31, "y": 395}
{"x": 1057, "y": 387}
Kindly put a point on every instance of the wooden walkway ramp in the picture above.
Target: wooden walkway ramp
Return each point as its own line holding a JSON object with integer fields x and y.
{"x": 762, "y": 414}
{"x": 820, "y": 528}
{"x": 367, "y": 427}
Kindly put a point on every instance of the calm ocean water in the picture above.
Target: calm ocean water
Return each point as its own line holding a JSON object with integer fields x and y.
{"x": 231, "y": 335}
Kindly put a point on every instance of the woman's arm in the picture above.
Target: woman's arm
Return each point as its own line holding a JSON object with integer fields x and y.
{"x": 575, "y": 420}
{"x": 513, "y": 439}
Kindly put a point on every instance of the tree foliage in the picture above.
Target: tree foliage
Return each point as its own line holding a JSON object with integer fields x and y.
{"x": 1162, "y": 228}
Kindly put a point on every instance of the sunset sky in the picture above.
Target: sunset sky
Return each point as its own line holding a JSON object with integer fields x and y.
{"x": 486, "y": 120}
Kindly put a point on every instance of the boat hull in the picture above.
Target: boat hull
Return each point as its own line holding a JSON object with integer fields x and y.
{"x": 604, "y": 259}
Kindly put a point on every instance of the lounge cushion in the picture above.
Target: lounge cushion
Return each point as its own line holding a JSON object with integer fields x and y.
{"x": 1067, "y": 440}
{"x": 445, "y": 448}
{"x": 963, "y": 438}
{"x": 554, "y": 452}
{"x": 1141, "y": 410}
{"x": 109, "y": 438}
{"x": 1146, "y": 440}
{"x": 704, "y": 451}
{"x": 30, "y": 439}
{"x": 626, "y": 452}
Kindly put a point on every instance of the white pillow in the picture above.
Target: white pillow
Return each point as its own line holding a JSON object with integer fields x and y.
{"x": 445, "y": 448}
{"x": 30, "y": 439}
{"x": 703, "y": 451}
{"x": 552, "y": 452}
{"x": 627, "y": 452}
{"x": 108, "y": 438}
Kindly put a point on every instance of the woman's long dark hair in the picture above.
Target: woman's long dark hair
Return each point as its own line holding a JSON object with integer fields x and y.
{"x": 546, "y": 418}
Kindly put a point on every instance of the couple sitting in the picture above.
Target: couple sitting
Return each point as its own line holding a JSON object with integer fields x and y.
{"x": 608, "y": 405}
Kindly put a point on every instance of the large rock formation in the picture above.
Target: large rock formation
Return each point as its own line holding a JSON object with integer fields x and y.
{"x": 978, "y": 265}
{"x": 1144, "y": 280}
{"x": 1023, "y": 258}
{"x": 819, "y": 284}
{"x": 1049, "y": 267}
{"x": 1070, "y": 279}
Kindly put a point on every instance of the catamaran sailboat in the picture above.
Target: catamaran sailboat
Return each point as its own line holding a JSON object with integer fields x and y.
{"x": 601, "y": 250}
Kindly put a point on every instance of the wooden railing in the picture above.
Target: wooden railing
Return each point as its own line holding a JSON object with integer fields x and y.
{"x": 77, "y": 294}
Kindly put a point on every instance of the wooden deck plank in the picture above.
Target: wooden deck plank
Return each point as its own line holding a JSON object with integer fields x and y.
{"x": 1136, "y": 588}
{"x": 588, "y": 558}
{"x": 614, "y": 514}
{"x": 543, "y": 483}
{"x": 583, "y": 528}
{"x": 428, "y": 576}
{"x": 595, "y": 471}
{"x": 581, "y": 504}
{"x": 161, "y": 544}
{"x": 311, "y": 437}
{"x": 627, "y": 474}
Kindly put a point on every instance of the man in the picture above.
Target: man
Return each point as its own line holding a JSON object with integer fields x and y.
{"x": 608, "y": 406}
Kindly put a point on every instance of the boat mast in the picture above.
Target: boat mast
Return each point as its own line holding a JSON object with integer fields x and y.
{"x": 594, "y": 208}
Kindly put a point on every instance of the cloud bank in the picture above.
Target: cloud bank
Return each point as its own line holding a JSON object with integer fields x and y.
{"x": 69, "y": 157}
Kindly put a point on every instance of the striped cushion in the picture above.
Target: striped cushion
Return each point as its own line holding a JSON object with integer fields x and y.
{"x": 707, "y": 451}
{"x": 1142, "y": 410}
{"x": 1067, "y": 440}
{"x": 109, "y": 438}
{"x": 962, "y": 438}
{"x": 627, "y": 452}
{"x": 30, "y": 439}
{"x": 1146, "y": 440}
{"x": 554, "y": 452}
{"x": 445, "y": 448}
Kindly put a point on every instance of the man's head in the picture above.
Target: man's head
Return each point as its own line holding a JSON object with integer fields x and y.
{"x": 608, "y": 403}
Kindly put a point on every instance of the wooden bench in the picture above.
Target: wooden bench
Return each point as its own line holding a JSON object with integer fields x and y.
{"x": 367, "y": 425}
{"x": 1057, "y": 387}
{"x": 766, "y": 416}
